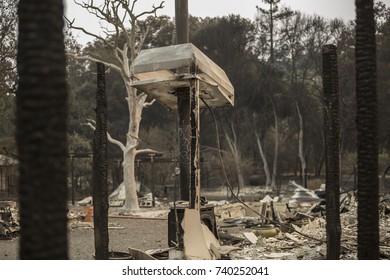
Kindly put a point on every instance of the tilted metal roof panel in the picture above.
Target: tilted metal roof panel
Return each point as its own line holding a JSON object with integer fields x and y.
{"x": 156, "y": 74}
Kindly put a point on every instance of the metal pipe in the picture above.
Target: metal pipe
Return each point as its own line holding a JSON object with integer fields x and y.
{"x": 181, "y": 21}
{"x": 152, "y": 178}
{"x": 72, "y": 177}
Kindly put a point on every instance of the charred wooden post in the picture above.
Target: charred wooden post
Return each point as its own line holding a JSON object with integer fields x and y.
{"x": 100, "y": 189}
{"x": 184, "y": 104}
{"x": 181, "y": 21}
{"x": 367, "y": 131}
{"x": 332, "y": 150}
{"x": 188, "y": 105}
{"x": 184, "y": 134}
{"x": 195, "y": 148}
{"x": 41, "y": 130}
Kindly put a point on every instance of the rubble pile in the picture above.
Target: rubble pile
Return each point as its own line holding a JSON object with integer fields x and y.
{"x": 295, "y": 231}
{"x": 291, "y": 226}
{"x": 9, "y": 222}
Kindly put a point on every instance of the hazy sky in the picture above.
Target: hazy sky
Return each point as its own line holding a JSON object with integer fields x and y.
{"x": 246, "y": 8}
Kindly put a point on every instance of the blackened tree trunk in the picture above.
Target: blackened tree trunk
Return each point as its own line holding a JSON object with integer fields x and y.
{"x": 100, "y": 189}
{"x": 332, "y": 150}
{"x": 41, "y": 130}
{"x": 367, "y": 131}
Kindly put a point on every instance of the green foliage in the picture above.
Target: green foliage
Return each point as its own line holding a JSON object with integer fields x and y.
{"x": 8, "y": 46}
{"x": 78, "y": 144}
{"x": 8, "y": 75}
{"x": 383, "y": 63}
{"x": 7, "y": 115}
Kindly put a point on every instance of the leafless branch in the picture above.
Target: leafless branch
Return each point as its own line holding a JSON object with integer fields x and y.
{"x": 92, "y": 124}
{"x": 90, "y": 58}
{"x": 153, "y": 11}
{"x": 143, "y": 38}
{"x": 102, "y": 12}
{"x": 147, "y": 104}
{"x": 146, "y": 151}
{"x": 72, "y": 26}
{"x": 216, "y": 150}
{"x": 116, "y": 142}
{"x": 230, "y": 143}
{"x": 132, "y": 6}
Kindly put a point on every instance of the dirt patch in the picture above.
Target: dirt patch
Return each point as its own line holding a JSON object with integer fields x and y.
{"x": 124, "y": 232}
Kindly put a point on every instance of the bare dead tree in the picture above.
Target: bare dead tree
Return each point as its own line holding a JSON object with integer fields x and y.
{"x": 270, "y": 177}
{"x": 122, "y": 18}
{"x": 267, "y": 172}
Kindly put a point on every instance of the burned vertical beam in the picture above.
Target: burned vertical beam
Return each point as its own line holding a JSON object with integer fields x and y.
{"x": 41, "y": 130}
{"x": 184, "y": 113}
{"x": 181, "y": 21}
{"x": 100, "y": 190}
{"x": 195, "y": 149}
{"x": 332, "y": 150}
{"x": 367, "y": 131}
{"x": 184, "y": 104}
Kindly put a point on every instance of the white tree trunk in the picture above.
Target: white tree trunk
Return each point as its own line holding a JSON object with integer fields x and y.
{"x": 265, "y": 162}
{"x": 241, "y": 182}
{"x": 237, "y": 158}
{"x": 276, "y": 149}
{"x": 131, "y": 202}
{"x": 301, "y": 153}
{"x": 240, "y": 176}
{"x": 123, "y": 19}
{"x": 135, "y": 105}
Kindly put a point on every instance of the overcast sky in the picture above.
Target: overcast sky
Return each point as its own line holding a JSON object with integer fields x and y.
{"x": 246, "y": 8}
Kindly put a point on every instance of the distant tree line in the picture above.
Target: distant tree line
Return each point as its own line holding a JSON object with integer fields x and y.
{"x": 276, "y": 72}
